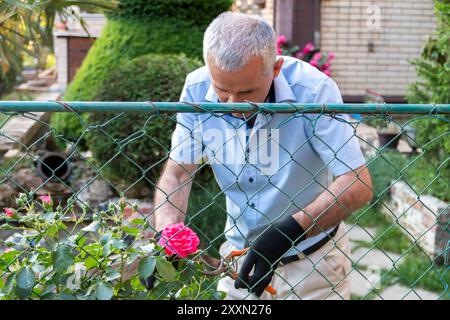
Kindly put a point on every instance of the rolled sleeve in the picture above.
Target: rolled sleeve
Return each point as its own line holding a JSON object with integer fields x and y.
{"x": 333, "y": 137}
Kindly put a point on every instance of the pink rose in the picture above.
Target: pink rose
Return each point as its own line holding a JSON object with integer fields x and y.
{"x": 281, "y": 40}
{"x": 331, "y": 55}
{"x": 299, "y": 55}
{"x": 314, "y": 63}
{"x": 327, "y": 72}
{"x": 179, "y": 239}
{"x": 46, "y": 199}
{"x": 9, "y": 212}
{"x": 326, "y": 65}
{"x": 279, "y": 51}
{"x": 308, "y": 48}
{"x": 317, "y": 56}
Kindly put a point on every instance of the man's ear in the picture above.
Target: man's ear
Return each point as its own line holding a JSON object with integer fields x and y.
{"x": 277, "y": 67}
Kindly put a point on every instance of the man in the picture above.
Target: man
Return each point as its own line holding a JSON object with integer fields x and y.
{"x": 287, "y": 209}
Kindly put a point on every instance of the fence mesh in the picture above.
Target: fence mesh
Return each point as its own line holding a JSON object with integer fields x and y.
{"x": 79, "y": 209}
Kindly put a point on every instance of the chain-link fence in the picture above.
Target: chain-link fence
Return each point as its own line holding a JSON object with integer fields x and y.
{"x": 80, "y": 205}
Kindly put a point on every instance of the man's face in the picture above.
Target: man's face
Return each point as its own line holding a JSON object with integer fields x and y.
{"x": 250, "y": 83}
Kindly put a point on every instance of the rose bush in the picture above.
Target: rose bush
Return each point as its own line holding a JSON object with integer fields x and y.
{"x": 77, "y": 253}
{"x": 316, "y": 58}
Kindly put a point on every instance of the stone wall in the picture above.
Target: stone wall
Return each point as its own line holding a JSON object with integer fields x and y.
{"x": 425, "y": 218}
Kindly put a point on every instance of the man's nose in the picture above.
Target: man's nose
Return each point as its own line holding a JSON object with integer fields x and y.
{"x": 234, "y": 99}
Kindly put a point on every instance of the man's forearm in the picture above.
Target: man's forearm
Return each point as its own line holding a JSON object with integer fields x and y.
{"x": 170, "y": 201}
{"x": 345, "y": 195}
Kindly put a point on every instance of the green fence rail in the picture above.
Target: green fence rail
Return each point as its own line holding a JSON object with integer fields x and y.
{"x": 171, "y": 107}
{"x": 79, "y": 200}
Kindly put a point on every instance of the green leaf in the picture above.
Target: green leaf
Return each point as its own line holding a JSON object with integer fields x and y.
{"x": 63, "y": 257}
{"x": 118, "y": 244}
{"x": 146, "y": 267}
{"x": 138, "y": 221}
{"x": 65, "y": 296}
{"x": 166, "y": 270}
{"x": 49, "y": 296}
{"x": 105, "y": 238}
{"x": 104, "y": 292}
{"x": 131, "y": 231}
{"x": 112, "y": 275}
{"x": 7, "y": 227}
{"x": 106, "y": 250}
{"x": 81, "y": 241}
{"x": 25, "y": 283}
{"x": 133, "y": 256}
{"x": 8, "y": 257}
{"x": 93, "y": 227}
{"x": 90, "y": 262}
{"x": 9, "y": 283}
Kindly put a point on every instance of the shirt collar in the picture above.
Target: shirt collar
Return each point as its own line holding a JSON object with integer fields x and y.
{"x": 283, "y": 92}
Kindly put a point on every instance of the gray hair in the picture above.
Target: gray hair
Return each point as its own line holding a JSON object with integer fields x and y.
{"x": 233, "y": 38}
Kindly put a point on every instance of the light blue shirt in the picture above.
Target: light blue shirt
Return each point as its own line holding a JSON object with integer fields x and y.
{"x": 304, "y": 150}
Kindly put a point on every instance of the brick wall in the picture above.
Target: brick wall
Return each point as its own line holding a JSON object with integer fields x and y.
{"x": 347, "y": 28}
{"x": 250, "y": 7}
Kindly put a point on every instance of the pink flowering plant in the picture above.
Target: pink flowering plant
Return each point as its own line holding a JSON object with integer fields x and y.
{"x": 74, "y": 252}
{"x": 179, "y": 239}
{"x": 309, "y": 53}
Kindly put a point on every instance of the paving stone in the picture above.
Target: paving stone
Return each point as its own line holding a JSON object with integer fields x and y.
{"x": 399, "y": 292}
{"x": 375, "y": 258}
{"x": 362, "y": 282}
{"x": 357, "y": 233}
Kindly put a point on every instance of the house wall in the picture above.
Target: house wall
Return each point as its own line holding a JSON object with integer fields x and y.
{"x": 250, "y": 7}
{"x": 398, "y": 31}
{"x": 95, "y": 24}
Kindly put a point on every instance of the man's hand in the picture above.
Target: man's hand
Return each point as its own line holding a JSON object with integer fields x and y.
{"x": 265, "y": 253}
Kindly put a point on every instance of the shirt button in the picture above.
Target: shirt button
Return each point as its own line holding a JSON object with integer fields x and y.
{"x": 252, "y": 205}
{"x": 251, "y": 179}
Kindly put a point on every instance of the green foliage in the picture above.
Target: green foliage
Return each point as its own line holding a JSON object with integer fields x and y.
{"x": 7, "y": 81}
{"x": 136, "y": 142}
{"x": 27, "y": 26}
{"x": 423, "y": 173}
{"x": 417, "y": 270}
{"x": 433, "y": 67}
{"x": 56, "y": 258}
{"x": 141, "y": 27}
{"x": 200, "y": 12}
{"x": 433, "y": 86}
{"x": 125, "y": 39}
{"x": 384, "y": 169}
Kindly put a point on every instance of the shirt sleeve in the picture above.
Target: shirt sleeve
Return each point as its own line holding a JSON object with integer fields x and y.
{"x": 333, "y": 137}
{"x": 187, "y": 146}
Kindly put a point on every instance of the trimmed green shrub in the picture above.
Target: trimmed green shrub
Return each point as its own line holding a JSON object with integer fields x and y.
{"x": 200, "y": 12}
{"x": 433, "y": 86}
{"x": 131, "y": 146}
{"x": 140, "y": 27}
